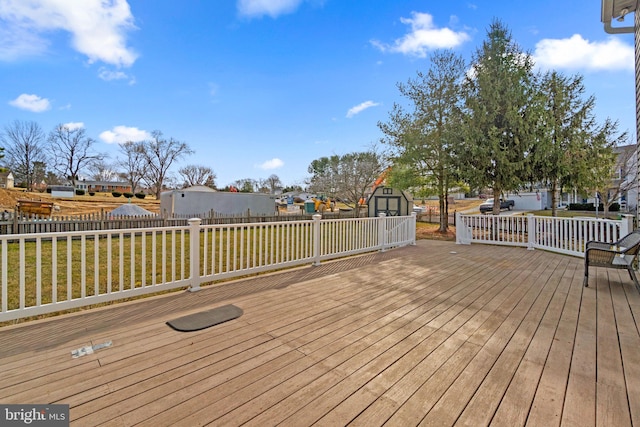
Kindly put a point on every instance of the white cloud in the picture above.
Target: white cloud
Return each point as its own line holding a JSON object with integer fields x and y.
{"x": 17, "y": 42}
{"x": 122, "y": 134}
{"x": 98, "y": 28}
{"x": 73, "y": 125}
{"x": 578, "y": 53}
{"x": 31, "y": 103}
{"x": 424, "y": 36}
{"x": 273, "y": 8}
{"x": 274, "y": 163}
{"x": 360, "y": 108}
{"x": 108, "y": 75}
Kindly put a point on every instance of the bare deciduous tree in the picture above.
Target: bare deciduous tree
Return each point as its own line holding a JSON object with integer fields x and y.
{"x": 103, "y": 171}
{"x": 273, "y": 183}
{"x": 348, "y": 177}
{"x": 159, "y": 154}
{"x": 246, "y": 185}
{"x": 72, "y": 151}
{"x": 132, "y": 164}
{"x": 24, "y": 143}
{"x": 197, "y": 175}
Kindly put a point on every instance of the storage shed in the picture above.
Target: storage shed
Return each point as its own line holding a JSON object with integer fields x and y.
{"x": 6, "y": 180}
{"x": 391, "y": 201}
{"x": 200, "y": 200}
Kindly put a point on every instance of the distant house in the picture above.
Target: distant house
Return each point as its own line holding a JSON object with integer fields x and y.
{"x": 305, "y": 196}
{"x": 623, "y": 188}
{"x": 103, "y": 186}
{"x": 6, "y": 180}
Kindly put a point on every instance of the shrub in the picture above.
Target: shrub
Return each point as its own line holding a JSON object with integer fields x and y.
{"x": 581, "y": 207}
{"x": 140, "y": 195}
{"x": 116, "y": 193}
{"x": 79, "y": 192}
{"x": 128, "y": 195}
{"x": 92, "y": 193}
{"x": 615, "y": 207}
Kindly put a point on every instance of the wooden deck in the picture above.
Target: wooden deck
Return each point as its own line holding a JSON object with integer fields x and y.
{"x": 433, "y": 334}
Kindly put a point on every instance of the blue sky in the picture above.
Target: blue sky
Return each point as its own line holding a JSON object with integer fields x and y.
{"x": 261, "y": 87}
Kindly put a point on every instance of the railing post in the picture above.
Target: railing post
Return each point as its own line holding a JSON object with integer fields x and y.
{"x": 316, "y": 238}
{"x": 626, "y": 225}
{"x": 458, "y": 229}
{"x": 382, "y": 231}
{"x": 464, "y": 233}
{"x": 414, "y": 219}
{"x": 531, "y": 232}
{"x": 194, "y": 254}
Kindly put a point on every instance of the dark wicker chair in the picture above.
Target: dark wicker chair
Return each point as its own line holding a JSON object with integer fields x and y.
{"x": 621, "y": 254}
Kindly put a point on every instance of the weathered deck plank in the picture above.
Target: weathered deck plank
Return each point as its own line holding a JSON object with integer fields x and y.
{"x": 433, "y": 334}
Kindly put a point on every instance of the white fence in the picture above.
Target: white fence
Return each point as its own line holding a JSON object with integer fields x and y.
{"x": 562, "y": 235}
{"x": 48, "y": 272}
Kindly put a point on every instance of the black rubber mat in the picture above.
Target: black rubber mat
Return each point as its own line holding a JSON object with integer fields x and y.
{"x": 205, "y": 319}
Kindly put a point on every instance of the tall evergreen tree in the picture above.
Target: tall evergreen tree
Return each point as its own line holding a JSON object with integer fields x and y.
{"x": 421, "y": 139}
{"x": 571, "y": 150}
{"x": 500, "y": 115}
{"x": 594, "y": 158}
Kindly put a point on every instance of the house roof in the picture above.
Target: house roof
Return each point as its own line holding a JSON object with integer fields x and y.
{"x": 622, "y": 148}
{"x": 118, "y": 183}
{"x": 199, "y": 188}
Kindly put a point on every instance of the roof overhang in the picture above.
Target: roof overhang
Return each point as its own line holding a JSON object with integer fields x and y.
{"x": 617, "y": 9}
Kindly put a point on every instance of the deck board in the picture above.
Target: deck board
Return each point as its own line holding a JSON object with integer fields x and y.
{"x": 435, "y": 333}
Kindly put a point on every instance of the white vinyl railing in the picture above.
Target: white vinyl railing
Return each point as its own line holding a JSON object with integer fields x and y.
{"x": 49, "y": 272}
{"x": 562, "y": 235}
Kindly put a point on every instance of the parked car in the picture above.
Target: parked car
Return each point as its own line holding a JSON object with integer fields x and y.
{"x": 487, "y": 206}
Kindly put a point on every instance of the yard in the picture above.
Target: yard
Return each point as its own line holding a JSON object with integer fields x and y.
{"x": 79, "y": 205}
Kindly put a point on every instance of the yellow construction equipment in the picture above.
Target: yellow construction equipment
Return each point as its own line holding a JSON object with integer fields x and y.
{"x": 323, "y": 204}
